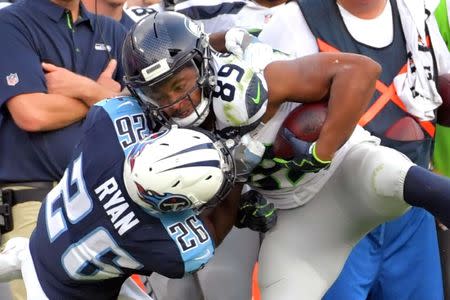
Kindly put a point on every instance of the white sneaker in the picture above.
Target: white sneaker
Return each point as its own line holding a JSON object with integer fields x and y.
{"x": 11, "y": 258}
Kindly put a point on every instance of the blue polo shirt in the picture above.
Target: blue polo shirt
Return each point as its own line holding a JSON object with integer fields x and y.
{"x": 35, "y": 31}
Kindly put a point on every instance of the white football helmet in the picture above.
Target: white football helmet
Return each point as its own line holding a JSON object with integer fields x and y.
{"x": 178, "y": 169}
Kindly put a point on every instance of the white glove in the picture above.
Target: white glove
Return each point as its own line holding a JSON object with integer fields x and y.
{"x": 247, "y": 155}
{"x": 248, "y": 48}
{"x": 236, "y": 40}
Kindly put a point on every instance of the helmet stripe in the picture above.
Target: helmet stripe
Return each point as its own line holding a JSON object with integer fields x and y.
{"x": 205, "y": 163}
{"x": 190, "y": 149}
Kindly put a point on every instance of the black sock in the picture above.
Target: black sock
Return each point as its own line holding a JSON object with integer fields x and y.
{"x": 430, "y": 191}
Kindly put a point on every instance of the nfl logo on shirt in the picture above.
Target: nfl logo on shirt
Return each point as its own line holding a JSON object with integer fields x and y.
{"x": 12, "y": 79}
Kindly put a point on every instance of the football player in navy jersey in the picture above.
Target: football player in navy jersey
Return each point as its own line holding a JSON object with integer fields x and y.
{"x": 333, "y": 190}
{"x": 130, "y": 202}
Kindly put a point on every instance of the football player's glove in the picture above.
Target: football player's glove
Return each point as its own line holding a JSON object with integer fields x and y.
{"x": 247, "y": 154}
{"x": 305, "y": 157}
{"x": 236, "y": 40}
{"x": 255, "y": 212}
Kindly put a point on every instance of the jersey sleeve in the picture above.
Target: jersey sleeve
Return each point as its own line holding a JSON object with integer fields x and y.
{"x": 240, "y": 96}
{"x": 174, "y": 245}
{"x": 20, "y": 70}
{"x": 288, "y": 32}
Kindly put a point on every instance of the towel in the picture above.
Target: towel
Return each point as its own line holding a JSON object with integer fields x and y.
{"x": 417, "y": 88}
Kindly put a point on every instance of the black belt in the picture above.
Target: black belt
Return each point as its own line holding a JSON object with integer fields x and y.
{"x": 37, "y": 191}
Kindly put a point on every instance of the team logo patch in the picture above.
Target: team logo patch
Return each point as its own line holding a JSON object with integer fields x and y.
{"x": 12, "y": 79}
{"x": 102, "y": 47}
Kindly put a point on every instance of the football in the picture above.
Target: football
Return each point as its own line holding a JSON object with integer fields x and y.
{"x": 305, "y": 122}
{"x": 405, "y": 129}
{"x": 443, "y": 112}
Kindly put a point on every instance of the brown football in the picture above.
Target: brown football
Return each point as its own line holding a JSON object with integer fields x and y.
{"x": 305, "y": 122}
{"x": 405, "y": 129}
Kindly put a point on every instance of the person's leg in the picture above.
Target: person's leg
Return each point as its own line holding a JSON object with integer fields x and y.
{"x": 5, "y": 292}
{"x": 411, "y": 266}
{"x": 24, "y": 219}
{"x": 360, "y": 269}
{"x": 227, "y": 276}
{"x": 175, "y": 289}
{"x": 303, "y": 254}
{"x": 131, "y": 291}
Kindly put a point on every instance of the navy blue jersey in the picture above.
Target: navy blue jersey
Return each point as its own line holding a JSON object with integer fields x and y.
{"x": 91, "y": 236}
{"x": 36, "y": 31}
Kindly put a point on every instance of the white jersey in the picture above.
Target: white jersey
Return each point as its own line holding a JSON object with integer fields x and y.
{"x": 292, "y": 189}
{"x": 138, "y": 12}
{"x": 239, "y": 102}
{"x": 215, "y": 15}
{"x": 221, "y": 15}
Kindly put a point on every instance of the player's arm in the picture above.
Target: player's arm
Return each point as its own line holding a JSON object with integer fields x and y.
{"x": 40, "y": 112}
{"x": 217, "y": 41}
{"x": 27, "y": 97}
{"x": 67, "y": 83}
{"x": 221, "y": 218}
{"x": 348, "y": 80}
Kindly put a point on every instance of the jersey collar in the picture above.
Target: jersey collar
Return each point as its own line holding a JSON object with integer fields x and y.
{"x": 56, "y": 12}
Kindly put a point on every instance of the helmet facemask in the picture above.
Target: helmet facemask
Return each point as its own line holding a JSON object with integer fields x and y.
{"x": 163, "y": 78}
{"x": 228, "y": 168}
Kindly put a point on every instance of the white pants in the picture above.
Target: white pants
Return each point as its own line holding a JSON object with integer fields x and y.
{"x": 226, "y": 277}
{"x": 303, "y": 254}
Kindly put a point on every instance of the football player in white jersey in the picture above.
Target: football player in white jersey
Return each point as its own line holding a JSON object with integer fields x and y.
{"x": 215, "y": 15}
{"x": 349, "y": 183}
{"x": 220, "y": 15}
{"x": 223, "y": 272}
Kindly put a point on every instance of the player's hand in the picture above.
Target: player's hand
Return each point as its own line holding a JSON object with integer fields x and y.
{"x": 62, "y": 81}
{"x": 235, "y": 41}
{"x": 305, "y": 157}
{"x": 106, "y": 77}
{"x": 255, "y": 212}
{"x": 247, "y": 155}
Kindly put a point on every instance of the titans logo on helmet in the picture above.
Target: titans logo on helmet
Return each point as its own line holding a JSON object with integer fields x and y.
{"x": 166, "y": 202}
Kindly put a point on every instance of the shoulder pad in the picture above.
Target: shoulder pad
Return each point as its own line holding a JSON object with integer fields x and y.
{"x": 240, "y": 95}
